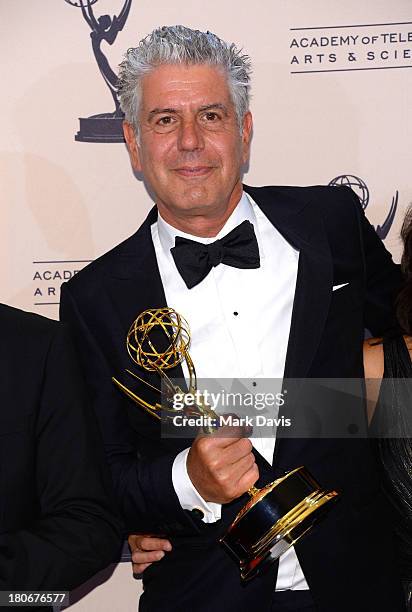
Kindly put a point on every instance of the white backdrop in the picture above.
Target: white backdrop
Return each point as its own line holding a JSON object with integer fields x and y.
{"x": 331, "y": 96}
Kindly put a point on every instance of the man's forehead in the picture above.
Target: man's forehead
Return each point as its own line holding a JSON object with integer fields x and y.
{"x": 172, "y": 84}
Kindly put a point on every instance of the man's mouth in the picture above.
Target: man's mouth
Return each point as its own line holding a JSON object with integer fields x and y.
{"x": 193, "y": 171}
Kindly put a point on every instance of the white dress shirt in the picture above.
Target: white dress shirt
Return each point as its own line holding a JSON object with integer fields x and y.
{"x": 239, "y": 324}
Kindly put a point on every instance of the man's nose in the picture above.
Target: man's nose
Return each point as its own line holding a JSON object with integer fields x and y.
{"x": 190, "y": 136}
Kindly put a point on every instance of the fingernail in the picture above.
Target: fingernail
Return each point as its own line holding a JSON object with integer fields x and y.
{"x": 160, "y": 554}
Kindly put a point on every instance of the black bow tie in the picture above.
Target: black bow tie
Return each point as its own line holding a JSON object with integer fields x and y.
{"x": 194, "y": 260}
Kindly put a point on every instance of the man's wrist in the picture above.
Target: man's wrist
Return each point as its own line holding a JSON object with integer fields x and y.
{"x": 189, "y": 497}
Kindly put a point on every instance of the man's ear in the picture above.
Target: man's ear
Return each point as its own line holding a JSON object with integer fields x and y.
{"x": 247, "y": 128}
{"x": 131, "y": 141}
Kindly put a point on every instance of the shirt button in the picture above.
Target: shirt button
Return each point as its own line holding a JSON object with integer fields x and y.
{"x": 236, "y": 313}
{"x": 198, "y": 513}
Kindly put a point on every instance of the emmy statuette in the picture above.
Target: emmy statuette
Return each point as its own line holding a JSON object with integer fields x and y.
{"x": 277, "y": 515}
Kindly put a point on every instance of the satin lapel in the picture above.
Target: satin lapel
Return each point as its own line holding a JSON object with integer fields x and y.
{"x": 135, "y": 284}
{"x": 312, "y": 295}
{"x": 310, "y": 310}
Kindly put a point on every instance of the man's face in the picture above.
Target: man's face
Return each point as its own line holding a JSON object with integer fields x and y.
{"x": 191, "y": 149}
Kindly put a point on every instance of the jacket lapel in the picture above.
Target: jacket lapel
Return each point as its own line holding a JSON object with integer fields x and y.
{"x": 134, "y": 286}
{"x": 312, "y": 295}
{"x": 134, "y": 283}
{"x": 305, "y": 231}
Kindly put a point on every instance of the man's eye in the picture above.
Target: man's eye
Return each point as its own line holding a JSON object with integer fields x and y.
{"x": 165, "y": 121}
{"x": 211, "y": 116}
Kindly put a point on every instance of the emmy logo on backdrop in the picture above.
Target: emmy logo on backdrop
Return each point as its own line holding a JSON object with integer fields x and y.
{"x": 362, "y": 191}
{"x": 277, "y": 515}
{"x": 104, "y": 127}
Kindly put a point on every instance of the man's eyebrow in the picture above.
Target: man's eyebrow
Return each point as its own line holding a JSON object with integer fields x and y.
{"x": 218, "y": 105}
{"x": 205, "y": 107}
{"x": 157, "y": 111}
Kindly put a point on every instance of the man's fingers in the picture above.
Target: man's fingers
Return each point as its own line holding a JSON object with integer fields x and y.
{"x": 139, "y": 568}
{"x": 239, "y": 478}
{"x": 149, "y": 543}
{"x": 230, "y": 433}
{"x": 146, "y": 550}
{"x": 216, "y": 464}
{"x": 213, "y": 446}
{"x": 146, "y": 542}
{"x": 226, "y": 435}
{"x": 237, "y": 451}
{"x": 147, "y": 557}
{"x": 243, "y": 465}
{"x": 249, "y": 478}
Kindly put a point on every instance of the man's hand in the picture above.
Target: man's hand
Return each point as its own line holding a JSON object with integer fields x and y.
{"x": 146, "y": 549}
{"x": 222, "y": 469}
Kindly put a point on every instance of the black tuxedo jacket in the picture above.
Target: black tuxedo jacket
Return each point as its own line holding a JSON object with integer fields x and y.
{"x": 57, "y": 522}
{"x": 347, "y": 558}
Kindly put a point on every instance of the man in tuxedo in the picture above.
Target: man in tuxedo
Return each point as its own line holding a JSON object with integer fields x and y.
{"x": 274, "y": 281}
{"x": 58, "y": 525}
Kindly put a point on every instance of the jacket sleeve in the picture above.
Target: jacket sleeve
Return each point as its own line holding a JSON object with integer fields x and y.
{"x": 143, "y": 485}
{"x": 75, "y": 532}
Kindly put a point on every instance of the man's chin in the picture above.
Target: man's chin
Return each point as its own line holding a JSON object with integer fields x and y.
{"x": 199, "y": 197}
{"x": 195, "y": 208}
{"x": 185, "y": 206}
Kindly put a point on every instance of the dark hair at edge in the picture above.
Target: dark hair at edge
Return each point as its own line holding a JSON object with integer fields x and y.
{"x": 404, "y": 299}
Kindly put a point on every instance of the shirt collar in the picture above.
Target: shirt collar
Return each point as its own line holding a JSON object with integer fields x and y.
{"x": 243, "y": 212}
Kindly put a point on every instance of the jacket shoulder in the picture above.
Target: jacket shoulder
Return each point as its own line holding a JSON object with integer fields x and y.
{"x": 91, "y": 277}
{"x": 323, "y": 196}
{"x": 26, "y": 339}
{"x": 87, "y": 279}
{"x": 25, "y": 326}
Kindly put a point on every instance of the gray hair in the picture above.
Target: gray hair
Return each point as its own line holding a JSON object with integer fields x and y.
{"x": 181, "y": 45}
